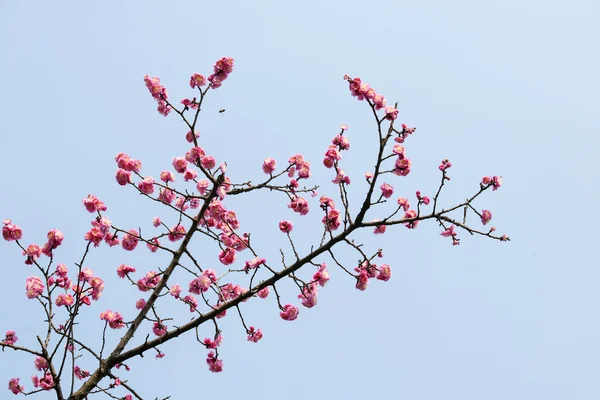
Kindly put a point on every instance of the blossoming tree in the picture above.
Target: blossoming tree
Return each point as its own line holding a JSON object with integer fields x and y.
{"x": 199, "y": 207}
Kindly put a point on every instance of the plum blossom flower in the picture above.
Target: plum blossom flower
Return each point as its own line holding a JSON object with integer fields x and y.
{"x": 14, "y": 387}
{"x": 263, "y": 293}
{"x": 130, "y": 240}
{"x": 11, "y": 231}
{"x": 409, "y": 215}
{"x": 308, "y": 296}
{"x": 289, "y": 312}
{"x": 214, "y": 364}
{"x": 10, "y": 338}
{"x": 486, "y": 216}
{"x": 385, "y": 273}
{"x": 124, "y": 270}
{"x": 159, "y": 328}
{"x": 322, "y": 275}
{"x": 285, "y": 226}
{"x": 269, "y": 165}
{"x": 299, "y": 205}
{"x": 146, "y": 185}
{"x": 254, "y": 335}
{"x": 33, "y": 287}
{"x": 114, "y": 319}
{"x": 387, "y": 190}
{"x": 93, "y": 204}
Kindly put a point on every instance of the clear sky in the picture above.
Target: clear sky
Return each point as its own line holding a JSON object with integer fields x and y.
{"x": 504, "y": 88}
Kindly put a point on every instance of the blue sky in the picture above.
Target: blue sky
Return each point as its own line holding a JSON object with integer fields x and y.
{"x": 500, "y": 88}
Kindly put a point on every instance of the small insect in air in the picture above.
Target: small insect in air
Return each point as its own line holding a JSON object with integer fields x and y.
{"x": 221, "y": 111}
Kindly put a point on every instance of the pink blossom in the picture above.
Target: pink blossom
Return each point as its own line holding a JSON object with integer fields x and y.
{"x": 213, "y": 344}
{"x": 97, "y": 285}
{"x": 385, "y": 273}
{"x": 227, "y": 256}
{"x": 449, "y": 232}
{"x": 308, "y": 296}
{"x": 127, "y": 163}
{"x": 199, "y": 284}
{"x": 202, "y": 186}
{"x": 409, "y": 215}
{"x": 14, "y": 387}
{"x": 422, "y": 199}
{"x": 166, "y": 195}
{"x": 189, "y": 175}
{"x": 197, "y": 80}
{"x": 114, "y": 319}
{"x": 123, "y": 177}
{"x": 391, "y": 113}
{"x": 33, "y": 287}
{"x": 445, "y": 165}
{"x": 326, "y": 203}
{"x": 180, "y": 164}
{"x": 214, "y": 365}
{"x": 341, "y": 142}
{"x": 403, "y": 203}
{"x": 177, "y": 233}
{"x": 64, "y": 300}
{"x": 40, "y": 363}
{"x": 341, "y": 178}
{"x": 331, "y": 156}
{"x": 222, "y": 69}
{"x": 380, "y": 229}
{"x": 254, "y": 263}
{"x": 159, "y": 329}
{"x": 402, "y": 167}
{"x": 190, "y": 136}
{"x": 95, "y": 236}
{"x": 322, "y": 275}
{"x": 195, "y": 154}
{"x": 368, "y": 176}
{"x": 191, "y": 301}
{"x": 10, "y": 338}
{"x": 124, "y": 270}
{"x": 387, "y": 190}
{"x": 285, "y": 226}
{"x": 55, "y": 238}
{"x": 86, "y": 275}
{"x": 149, "y": 281}
{"x": 208, "y": 162}
{"x": 44, "y": 383}
{"x": 33, "y": 251}
{"x": 80, "y": 374}
{"x": 263, "y": 293}
{"x": 153, "y": 244}
{"x": 269, "y": 166}
{"x": 486, "y": 216}
{"x": 289, "y": 312}
{"x": 141, "y": 303}
{"x": 254, "y": 335}
{"x": 93, "y": 204}
{"x": 175, "y": 290}
{"x": 10, "y": 231}
{"x": 332, "y": 220}
{"x": 299, "y": 205}
{"x": 344, "y": 128}
{"x": 362, "y": 280}
{"x": 146, "y": 185}
{"x": 130, "y": 240}
{"x": 156, "y": 222}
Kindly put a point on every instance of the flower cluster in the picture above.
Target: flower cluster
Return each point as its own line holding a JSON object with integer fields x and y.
{"x": 367, "y": 271}
{"x": 331, "y": 220}
{"x": 159, "y": 93}
{"x": 494, "y": 181}
{"x": 363, "y": 91}
{"x": 11, "y": 231}
{"x": 222, "y": 69}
